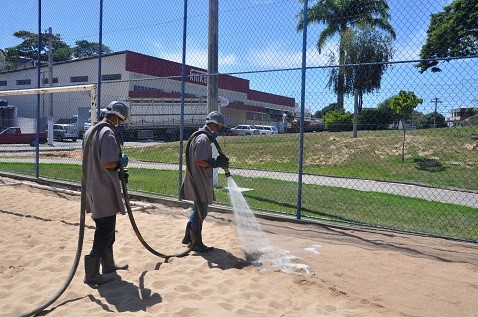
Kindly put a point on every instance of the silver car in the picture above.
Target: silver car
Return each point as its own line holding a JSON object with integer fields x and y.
{"x": 245, "y": 129}
{"x": 266, "y": 129}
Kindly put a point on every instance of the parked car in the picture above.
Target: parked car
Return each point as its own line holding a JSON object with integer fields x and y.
{"x": 267, "y": 129}
{"x": 246, "y": 130}
{"x": 65, "y": 131}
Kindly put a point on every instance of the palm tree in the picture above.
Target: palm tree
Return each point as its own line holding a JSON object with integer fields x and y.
{"x": 341, "y": 17}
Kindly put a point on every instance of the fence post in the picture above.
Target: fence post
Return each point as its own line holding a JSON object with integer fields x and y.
{"x": 183, "y": 83}
{"x": 37, "y": 145}
{"x": 354, "y": 134}
{"x": 302, "y": 107}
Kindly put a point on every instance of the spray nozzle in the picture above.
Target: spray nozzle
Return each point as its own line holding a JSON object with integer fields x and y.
{"x": 227, "y": 173}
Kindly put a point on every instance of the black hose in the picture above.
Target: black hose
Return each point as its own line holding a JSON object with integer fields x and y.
{"x": 196, "y": 193}
{"x": 81, "y": 232}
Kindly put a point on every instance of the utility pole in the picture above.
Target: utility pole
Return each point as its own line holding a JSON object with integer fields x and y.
{"x": 436, "y": 101}
{"x": 212, "y": 53}
{"x": 212, "y": 70}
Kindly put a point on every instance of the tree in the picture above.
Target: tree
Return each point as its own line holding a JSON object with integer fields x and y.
{"x": 388, "y": 113}
{"x": 340, "y": 18}
{"x": 325, "y": 110}
{"x": 29, "y": 47}
{"x": 338, "y": 120}
{"x": 451, "y": 33}
{"x": 84, "y": 48}
{"x": 431, "y": 120}
{"x": 403, "y": 104}
{"x": 368, "y": 52}
{"x": 375, "y": 119}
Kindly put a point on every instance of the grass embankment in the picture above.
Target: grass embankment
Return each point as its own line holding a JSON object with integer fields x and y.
{"x": 441, "y": 158}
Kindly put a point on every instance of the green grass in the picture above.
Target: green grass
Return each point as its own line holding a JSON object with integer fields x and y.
{"x": 319, "y": 202}
{"x": 442, "y": 158}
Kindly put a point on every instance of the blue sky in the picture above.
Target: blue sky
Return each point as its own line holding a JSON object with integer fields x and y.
{"x": 254, "y": 35}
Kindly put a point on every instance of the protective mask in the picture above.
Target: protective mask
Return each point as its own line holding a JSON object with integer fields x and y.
{"x": 215, "y": 134}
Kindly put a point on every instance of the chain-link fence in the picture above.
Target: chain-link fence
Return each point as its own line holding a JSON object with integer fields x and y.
{"x": 375, "y": 108}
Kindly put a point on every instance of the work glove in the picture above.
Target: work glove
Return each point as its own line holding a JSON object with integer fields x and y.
{"x": 123, "y": 160}
{"x": 222, "y": 161}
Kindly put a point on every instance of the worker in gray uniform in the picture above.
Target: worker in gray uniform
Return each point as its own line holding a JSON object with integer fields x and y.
{"x": 198, "y": 182}
{"x": 103, "y": 193}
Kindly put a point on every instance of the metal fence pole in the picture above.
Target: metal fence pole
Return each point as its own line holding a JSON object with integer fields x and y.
{"x": 302, "y": 110}
{"x": 100, "y": 55}
{"x": 183, "y": 81}
{"x": 37, "y": 145}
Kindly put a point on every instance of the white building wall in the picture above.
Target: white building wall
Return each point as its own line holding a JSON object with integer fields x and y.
{"x": 66, "y": 105}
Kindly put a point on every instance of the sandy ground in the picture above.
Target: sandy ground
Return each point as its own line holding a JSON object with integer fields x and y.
{"x": 330, "y": 271}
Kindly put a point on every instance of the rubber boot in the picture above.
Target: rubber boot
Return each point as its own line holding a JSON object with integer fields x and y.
{"x": 197, "y": 240}
{"x": 108, "y": 264}
{"x": 92, "y": 272}
{"x": 187, "y": 234}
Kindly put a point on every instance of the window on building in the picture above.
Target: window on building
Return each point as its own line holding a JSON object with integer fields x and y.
{"x": 111, "y": 77}
{"x": 3, "y": 82}
{"x": 256, "y": 116}
{"x": 46, "y": 80}
{"x": 78, "y": 79}
{"x": 22, "y": 82}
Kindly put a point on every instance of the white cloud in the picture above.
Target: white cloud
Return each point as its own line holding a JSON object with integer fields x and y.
{"x": 274, "y": 56}
{"x": 195, "y": 56}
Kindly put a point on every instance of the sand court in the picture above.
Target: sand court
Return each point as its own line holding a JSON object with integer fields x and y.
{"x": 331, "y": 271}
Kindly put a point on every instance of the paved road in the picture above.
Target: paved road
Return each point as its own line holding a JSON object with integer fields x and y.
{"x": 433, "y": 194}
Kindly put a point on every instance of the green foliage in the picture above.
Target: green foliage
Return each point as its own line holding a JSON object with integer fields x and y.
{"x": 431, "y": 120}
{"x": 341, "y": 17}
{"x": 404, "y": 103}
{"x": 375, "y": 119}
{"x": 325, "y": 110}
{"x": 451, "y": 33}
{"x": 368, "y": 51}
{"x": 28, "y": 49}
{"x": 472, "y": 120}
{"x": 338, "y": 120}
{"x": 84, "y": 48}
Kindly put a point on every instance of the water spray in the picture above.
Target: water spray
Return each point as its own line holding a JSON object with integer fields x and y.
{"x": 254, "y": 243}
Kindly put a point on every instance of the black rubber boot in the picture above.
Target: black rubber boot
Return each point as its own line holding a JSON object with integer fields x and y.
{"x": 108, "y": 264}
{"x": 92, "y": 272}
{"x": 187, "y": 234}
{"x": 200, "y": 247}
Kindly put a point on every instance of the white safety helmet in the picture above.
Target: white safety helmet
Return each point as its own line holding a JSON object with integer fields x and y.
{"x": 119, "y": 109}
{"x": 215, "y": 117}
